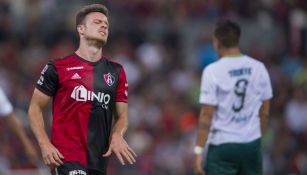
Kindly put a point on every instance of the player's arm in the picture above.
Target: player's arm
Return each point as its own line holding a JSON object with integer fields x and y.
{"x": 37, "y": 104}
{"x": 208, "y": 101}
{"x": 264, "y": 114}
{"x": 267, "y": 93}
{"x": 118, "y": 145}
{"x": 51, "y": 156}
{"x": 204, "y": 123}
{"x": 121, "y": 119}
{"x": 19, "y": 130}
{"x": 14, "y": 124}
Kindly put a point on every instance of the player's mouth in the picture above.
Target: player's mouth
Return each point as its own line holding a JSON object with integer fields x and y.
{"x": 102, "y": 32}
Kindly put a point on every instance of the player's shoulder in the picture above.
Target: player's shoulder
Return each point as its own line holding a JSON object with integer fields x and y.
{"x": 111, "y": 62}
{"x": 57, "y": 64}
{"x": 213, "y": 66}
{"x": 63, "y": 60}
{"x": 254, "y": 62}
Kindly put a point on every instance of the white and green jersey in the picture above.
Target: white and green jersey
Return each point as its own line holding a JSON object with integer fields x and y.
{"x": 5, "y": 106}
{"x": 236, "y": 86}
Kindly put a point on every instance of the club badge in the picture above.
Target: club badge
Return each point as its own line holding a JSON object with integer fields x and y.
{"x": 109, "y": 79}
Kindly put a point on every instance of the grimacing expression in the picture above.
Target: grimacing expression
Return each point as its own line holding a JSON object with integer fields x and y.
{"x": 95, "y": 27}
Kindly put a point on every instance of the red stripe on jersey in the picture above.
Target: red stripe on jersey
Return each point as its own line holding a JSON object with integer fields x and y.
{"x": 122, "y": 87}
{"x": 71, "y": 110}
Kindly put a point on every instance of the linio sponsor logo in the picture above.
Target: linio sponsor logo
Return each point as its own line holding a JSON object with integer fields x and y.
{"x": 80, "y": 93}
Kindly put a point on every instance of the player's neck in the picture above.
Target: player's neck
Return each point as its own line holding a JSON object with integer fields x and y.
{"x": 89, "y": 52}
{"x": 231, "y": 52}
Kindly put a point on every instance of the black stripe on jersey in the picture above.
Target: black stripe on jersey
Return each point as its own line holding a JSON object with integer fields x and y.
{"x": 100, "y": 122}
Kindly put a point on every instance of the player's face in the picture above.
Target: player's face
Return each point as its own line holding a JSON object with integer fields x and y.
{"x": 96, "y": 27}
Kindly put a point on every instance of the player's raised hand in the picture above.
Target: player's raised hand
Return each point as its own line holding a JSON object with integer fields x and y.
{"x": 121, "y": 149}
{"x": 198, "y": 169}
{"x": 52, "y": 157}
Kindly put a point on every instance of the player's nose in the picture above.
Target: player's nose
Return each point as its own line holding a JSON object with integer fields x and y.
{"x": 104, "y": 27}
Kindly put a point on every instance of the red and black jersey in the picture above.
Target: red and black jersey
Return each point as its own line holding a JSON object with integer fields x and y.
{"x": 84, "y": 95}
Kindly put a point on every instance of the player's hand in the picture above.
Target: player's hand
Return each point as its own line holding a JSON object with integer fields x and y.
{"x": 121, "y": 149}
{"x": 52, "y": 157}
{"x": 198, "y": 169}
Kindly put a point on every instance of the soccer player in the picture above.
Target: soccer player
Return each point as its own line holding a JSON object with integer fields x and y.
{"x": 89, "y": 94}
{"x": 235, "y": 97}
{"x": 7, "y": 113}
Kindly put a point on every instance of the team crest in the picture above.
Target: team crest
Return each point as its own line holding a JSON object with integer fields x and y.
{"x": 109, "y": 79}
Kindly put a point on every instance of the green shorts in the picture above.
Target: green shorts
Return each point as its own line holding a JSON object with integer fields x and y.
{"x": 234, "y": 159}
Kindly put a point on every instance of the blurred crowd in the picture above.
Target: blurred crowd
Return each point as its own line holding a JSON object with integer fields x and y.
{"x": 163, "y": 46}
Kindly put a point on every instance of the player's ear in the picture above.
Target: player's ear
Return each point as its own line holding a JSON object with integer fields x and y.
{"x": 81, "y": 29}
{"x": 215, "y": 43}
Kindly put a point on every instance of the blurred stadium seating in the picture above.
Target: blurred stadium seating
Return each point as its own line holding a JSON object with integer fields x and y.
{"x": 163, "y": 46}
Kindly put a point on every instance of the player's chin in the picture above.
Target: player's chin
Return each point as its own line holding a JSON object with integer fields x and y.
{"x": 100, "y": 40}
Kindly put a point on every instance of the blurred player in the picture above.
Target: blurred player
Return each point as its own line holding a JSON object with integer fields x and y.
{"x": 235, "y": 93}
{"x": 87, "y": 90}
{"x": 6, "y": 112}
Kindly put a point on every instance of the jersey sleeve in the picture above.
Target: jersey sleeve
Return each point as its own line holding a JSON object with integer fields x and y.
{"x": 265, "y": 84}
{"x": 5, "y": 106}
{"x": 48, "y": 80}
{"x": 208, "y": 89}
{"x": 122, "y": 87}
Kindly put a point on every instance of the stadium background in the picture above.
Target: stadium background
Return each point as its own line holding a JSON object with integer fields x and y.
{"x": 163, "y": 45}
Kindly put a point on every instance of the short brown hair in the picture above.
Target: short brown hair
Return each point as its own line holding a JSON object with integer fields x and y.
{"x": 89, "y": 9}
{"x": 227, "y": 33}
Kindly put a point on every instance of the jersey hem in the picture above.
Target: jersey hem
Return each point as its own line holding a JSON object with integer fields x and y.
{"x": 235, "y": 142}
{"x": 267, "y": 98}
{"x": 207, "y": 103}
{"x": 121, "y": 101}
{"x": 44, "y": 91}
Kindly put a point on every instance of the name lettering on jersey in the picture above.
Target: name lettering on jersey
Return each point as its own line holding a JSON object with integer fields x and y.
{"x": 77, "y": 172}
{"x": 74, "y": 68}
{"x": 109, "y": 79}
{"x": 240, "y": 72}
{"x": 80, "y": 93}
